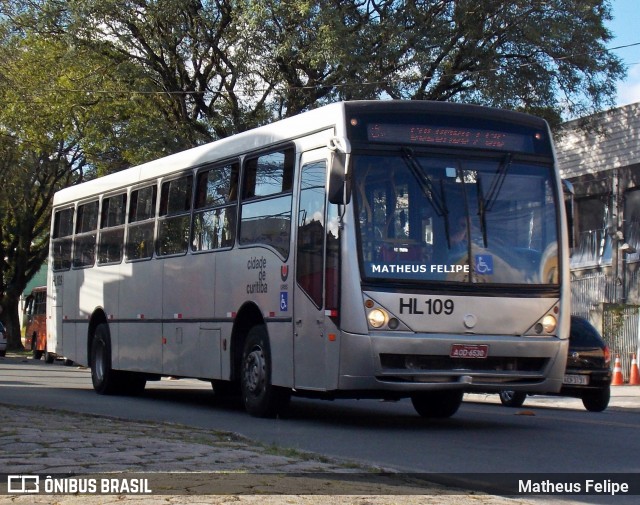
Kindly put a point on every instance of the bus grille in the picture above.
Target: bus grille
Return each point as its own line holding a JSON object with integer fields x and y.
{"x": 445, "y": 363}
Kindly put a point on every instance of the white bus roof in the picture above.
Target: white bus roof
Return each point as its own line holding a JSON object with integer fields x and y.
{"x": 323, "y": 118}
{"x": 279, "y": 131}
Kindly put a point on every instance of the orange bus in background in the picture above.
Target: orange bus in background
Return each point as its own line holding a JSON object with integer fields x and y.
{"x": 35, "y": 323}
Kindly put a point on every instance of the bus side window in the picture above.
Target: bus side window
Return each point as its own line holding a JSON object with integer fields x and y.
{"x": 214, "y": 219}
{"x": 112, "y": 229}
{"x": 40, "y": 303}
{"x": 267, "y": 198}
{"x": 175, "y": 208}
{"x": 29, "y": 307}
{"x": 142, "y": 213}
{"x": 84, "y": 243}
{"x": 61, "y": 239}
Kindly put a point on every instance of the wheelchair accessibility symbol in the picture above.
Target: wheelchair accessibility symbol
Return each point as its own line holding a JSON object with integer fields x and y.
{"x": 284, "y": 301}
{"x": 484, "y": 264}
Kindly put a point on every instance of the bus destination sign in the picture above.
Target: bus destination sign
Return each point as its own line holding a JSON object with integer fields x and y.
{"x": 450, "y": 136}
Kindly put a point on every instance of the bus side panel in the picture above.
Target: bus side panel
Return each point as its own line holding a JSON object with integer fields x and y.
{"x": 54, "y": 310}
{"x": 68, "y": 313}
{"x": 191, "y": 340}
{"x": 139, "y": 344}
{"x": 257, "y": 275}
{"x": 280, "y": 340}
{"x": 138, "y": 347}
{"x": 97, "y": 289}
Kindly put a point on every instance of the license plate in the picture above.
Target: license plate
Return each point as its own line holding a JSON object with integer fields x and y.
{"x": 469, "y": 351}
{"x": 580, "y": 380}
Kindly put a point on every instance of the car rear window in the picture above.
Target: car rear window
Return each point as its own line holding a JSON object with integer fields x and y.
{"x": 584, "y": 334}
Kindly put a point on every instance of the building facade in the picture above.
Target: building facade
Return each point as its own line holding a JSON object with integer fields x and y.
{"x": 600, "y": 156}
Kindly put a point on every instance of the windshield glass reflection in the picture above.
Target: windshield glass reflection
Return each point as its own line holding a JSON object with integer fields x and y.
{"x": 428, "y": 218}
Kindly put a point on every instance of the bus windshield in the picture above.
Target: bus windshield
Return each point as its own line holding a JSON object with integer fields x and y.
{"x": 456, "y": 219}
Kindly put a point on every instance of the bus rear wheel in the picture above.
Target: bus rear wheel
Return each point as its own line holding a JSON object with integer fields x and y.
{"x": 106, "y": 381}
{"x": 49, "y": 357}
{"x": 260, "y": 397}
{"x": 437, "y": 404}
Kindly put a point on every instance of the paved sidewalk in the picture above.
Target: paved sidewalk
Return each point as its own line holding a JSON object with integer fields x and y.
{"x": 55, "y": 442}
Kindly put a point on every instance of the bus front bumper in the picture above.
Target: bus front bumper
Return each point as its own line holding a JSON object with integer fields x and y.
{"x": 411, "y": 362}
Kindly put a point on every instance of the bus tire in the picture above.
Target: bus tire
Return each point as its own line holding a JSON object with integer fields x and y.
{"x": 512, "y": 398}
{"x": 259, "y": 396}
{"x": 48, "y": 357}
{"x": 106, "y": 381}
{"x": 437, "y": 404}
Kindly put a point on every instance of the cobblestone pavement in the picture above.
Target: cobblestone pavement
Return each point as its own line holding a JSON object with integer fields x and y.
{"x": 55, "y": 442}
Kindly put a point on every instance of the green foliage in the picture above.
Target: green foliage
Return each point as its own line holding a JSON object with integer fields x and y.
{"x": 63, "y": 118}
{"x": 222, "y": 66}
{"x": 34, "y": 156}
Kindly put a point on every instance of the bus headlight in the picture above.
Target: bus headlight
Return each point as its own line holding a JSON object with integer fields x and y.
{"x": 377, "y": 318}
{"x": 549, "y": 323}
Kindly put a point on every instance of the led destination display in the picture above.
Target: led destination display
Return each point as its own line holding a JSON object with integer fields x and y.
{"x": 451, "y": 136}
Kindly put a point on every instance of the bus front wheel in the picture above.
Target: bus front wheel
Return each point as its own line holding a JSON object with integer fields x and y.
{"x": 437, "y": 404}
{"x": 260, "y": 397}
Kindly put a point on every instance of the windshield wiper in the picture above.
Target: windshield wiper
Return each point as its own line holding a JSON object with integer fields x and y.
{"x": 437, "y": 200}
{"x": 485, "y": 204}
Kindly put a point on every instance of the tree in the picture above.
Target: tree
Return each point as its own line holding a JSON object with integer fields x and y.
{"x": 543, "y": 57}
{"x": 228, "y": 65}
{"x": 28, "y": 180}
{"x": 37, "y": 157}
{"x": 51, "y": 136}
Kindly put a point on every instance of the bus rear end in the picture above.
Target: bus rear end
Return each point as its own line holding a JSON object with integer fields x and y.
{"x": 35, "y": 322}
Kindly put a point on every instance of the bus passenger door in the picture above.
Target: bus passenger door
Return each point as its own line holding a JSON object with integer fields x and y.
{"x": 311, "y": 266}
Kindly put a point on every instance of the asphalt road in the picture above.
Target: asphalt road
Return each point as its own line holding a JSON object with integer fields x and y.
{"x": 482, "y": 437}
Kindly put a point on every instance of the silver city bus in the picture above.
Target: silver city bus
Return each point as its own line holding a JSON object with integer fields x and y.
{"x": 363, "y": 249}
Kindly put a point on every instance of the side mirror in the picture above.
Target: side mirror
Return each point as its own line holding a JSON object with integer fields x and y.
{"x": 568, "y": 193}
{"x": 339, "y": 187}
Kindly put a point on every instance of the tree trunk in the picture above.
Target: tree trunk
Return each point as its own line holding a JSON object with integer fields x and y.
{"x": 9, "y": 311}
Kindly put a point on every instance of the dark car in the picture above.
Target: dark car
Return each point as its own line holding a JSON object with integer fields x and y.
{"x": 588, "y": 372}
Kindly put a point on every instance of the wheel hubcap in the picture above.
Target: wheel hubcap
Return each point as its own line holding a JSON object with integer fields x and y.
{"x": 255, "y": 371}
